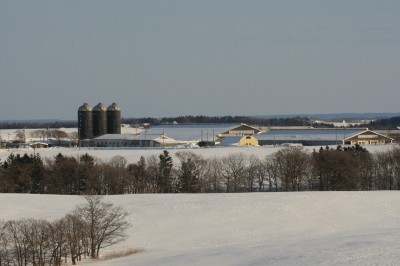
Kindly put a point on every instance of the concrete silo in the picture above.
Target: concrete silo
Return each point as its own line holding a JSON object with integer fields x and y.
{"x": 99, "y": 120}
{"x": 85, "y": 122}
{"x": 114, "y": 119}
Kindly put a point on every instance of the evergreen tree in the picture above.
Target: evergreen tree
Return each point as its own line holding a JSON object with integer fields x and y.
{"x": 189, "y": 176}
{"x": 164, "y": 181}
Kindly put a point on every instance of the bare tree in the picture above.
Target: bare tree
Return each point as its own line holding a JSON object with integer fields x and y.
{"x": 272, "y": 170}
{"x": 152, "y": 173}
{"x": 250, "y": 174}
{"x": 3, "y": 244}
{"x": 59, "y": 135}
{"x": 232, "y": 171}
{"x": 57, "y": 239}
{"x": 105, "y": 223}
{"x": 117, "y": 175}
{"x": 40, "y": 133}
{"x": 293, "y": 166}
{"x": 213, "y": 175}
{"x": 75, "y": 236}
{"x": 20, "y": 135}
{"x": 261, "y": 174}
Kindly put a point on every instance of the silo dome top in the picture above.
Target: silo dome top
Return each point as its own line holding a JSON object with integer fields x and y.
{"x": 114, "y": 107}
{"x": 99, "y": 107}
{"x": 85, "y": 108}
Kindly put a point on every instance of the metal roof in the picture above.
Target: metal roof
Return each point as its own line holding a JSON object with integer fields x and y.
{"x": 308, "y": 134}
{"x": 195, "y": 132}
{"x": 85, "y": 108}
{"x": 114, "y": 107}
{"x": 231, "y": 140}
{"x": 99, "y": 107}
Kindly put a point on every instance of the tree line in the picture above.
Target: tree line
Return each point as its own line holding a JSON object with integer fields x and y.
{"x": 37, "y": 124}
{"x": 386, "y": 123}
{"x": 80, "y": 234}
{"x": 200, "y": 119}
{"x": 289, "y": 169}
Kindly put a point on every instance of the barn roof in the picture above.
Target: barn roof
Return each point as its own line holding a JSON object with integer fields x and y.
{"x": 368, "y": 132}
{"x": 241, "y": 127}
{"x": 307, "y": 134}
{"x": 230, "y": 140}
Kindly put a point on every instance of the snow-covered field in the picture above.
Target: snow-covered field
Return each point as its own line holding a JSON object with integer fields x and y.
{"x": 133, "y": 155}
{"x": 304, "y": 228}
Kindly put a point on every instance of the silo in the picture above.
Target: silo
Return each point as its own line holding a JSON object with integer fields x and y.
{"x": 99, "y": 120}
{"x": 114, "y": 119}
{"x": 85, "y": 122}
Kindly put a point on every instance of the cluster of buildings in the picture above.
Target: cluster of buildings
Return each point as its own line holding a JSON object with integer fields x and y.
{"x": 101, "y": 127}
{"x": 245, "y": 135}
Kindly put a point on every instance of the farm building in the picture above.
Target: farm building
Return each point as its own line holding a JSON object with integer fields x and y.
{"x": 240, "y": 130}
{"x": 129, "y": 140}
{"x": 239, "y": 141}
{"x": 319, "y": 137}
{"x": 367, "y": 137}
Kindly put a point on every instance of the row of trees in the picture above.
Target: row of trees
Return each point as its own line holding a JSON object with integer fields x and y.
{"x": 34, "y": 124}
{"x": 289, "y": 169}
{"x": 80, "y": 234}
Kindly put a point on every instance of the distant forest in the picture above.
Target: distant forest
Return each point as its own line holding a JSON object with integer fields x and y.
{"x": 291, "y": 121}
{"x": 386, "y": 123}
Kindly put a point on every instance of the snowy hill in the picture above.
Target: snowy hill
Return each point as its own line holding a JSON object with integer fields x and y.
{"x": 305, "y": 228}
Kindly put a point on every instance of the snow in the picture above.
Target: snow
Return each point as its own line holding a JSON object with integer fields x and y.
{"x": 303, "y": 228}
{"x": 133, "y": 155}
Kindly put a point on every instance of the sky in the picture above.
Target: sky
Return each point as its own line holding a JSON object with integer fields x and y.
{"x": 183, "y": 57}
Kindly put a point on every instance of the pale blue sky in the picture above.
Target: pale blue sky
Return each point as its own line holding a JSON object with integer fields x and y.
{"x": 168, "y": 57}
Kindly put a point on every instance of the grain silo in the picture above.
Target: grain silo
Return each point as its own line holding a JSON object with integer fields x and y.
{"x": 99, "y": 120}
{"x": 85, "y": 122}
{"x": 114, "y": 119}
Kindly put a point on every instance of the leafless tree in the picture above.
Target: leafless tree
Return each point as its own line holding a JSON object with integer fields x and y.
{"x": 272, "y": 171}
{"x": 59, "y": 135}
{"x": 213, "y": 182}
{"x": 75, "y": 236}
{"x": 261, "y": 174}
{"x": 117, "y": 175}
{"x": 232, "y": 171}
{"x": 250, "y": 174}
{"x": 40, "y": 133}
{"x": 152, "y": 173}
{"x": 3, "y": 244}
{"x": 20, "y": 135}
{"x": 57, "y": 238}
{"x": 105, "y": 223}
{"x": 73, "y": 136}
{"x": 293, "y": 166}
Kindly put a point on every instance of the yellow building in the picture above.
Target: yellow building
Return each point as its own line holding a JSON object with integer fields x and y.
{"x": 239, "y": 141}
